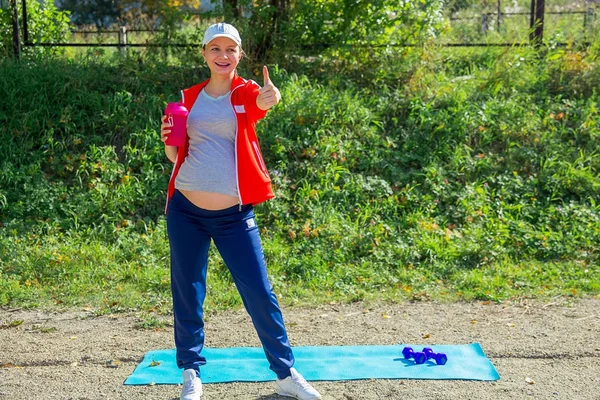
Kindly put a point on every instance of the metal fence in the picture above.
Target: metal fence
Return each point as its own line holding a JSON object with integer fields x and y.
{"x": 489, "y": 19}
{"x": 537, "y": 16}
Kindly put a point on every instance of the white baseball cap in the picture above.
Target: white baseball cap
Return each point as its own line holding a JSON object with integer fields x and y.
{"x": 221, "y": 30}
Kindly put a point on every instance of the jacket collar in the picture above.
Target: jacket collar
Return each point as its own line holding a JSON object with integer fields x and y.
{"x": 190, "y": 95}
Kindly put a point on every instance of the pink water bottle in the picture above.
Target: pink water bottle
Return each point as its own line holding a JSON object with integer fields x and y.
{"x": 177, "y": 117}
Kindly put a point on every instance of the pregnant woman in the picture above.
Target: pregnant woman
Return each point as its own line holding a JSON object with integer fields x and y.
{"x": 218, "y": 176}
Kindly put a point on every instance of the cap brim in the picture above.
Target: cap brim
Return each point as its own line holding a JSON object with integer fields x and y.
{"x": 226, "y": 35}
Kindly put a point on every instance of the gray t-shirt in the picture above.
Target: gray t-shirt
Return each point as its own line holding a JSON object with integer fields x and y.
{"x": 210, "y": 164}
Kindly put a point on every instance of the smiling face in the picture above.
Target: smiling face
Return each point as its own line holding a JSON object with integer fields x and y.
{"x": 222, "y": 56}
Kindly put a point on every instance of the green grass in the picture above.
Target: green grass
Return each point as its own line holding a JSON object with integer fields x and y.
{"x": 438, "y": 174}
{"x": 133, "y": 275}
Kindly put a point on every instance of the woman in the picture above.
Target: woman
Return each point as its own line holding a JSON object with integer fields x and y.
{"x": 218, "y": 176}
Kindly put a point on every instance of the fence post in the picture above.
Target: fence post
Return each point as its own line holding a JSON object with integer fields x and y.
{"x": 123, "y": 41}
{"x": 25, "y": 23}
{"x": 536, "y": 22}
{"x": 499, "y": 16}
{"x": 484, "y": 23}
{"x": 588, "y": 20}
{"x": 16, "y": 33}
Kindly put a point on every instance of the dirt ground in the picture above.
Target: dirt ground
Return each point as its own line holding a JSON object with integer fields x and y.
{"x": 542, "y": 350}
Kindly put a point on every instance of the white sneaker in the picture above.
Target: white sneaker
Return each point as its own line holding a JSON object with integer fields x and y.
{"x": 192, "y": 386}
{"x": 296, "y": 386}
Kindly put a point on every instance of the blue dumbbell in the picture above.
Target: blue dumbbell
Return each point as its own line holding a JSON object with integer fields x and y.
{"x": 440, "y": 358}
{"x": 418, "y": 356}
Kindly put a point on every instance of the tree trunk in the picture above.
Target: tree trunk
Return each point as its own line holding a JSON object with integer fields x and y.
{"x": 537, "y": 22}
{"x": 16, "y": 33}
{"x": 234, "y": 6}
{"x": 272, "y": 27}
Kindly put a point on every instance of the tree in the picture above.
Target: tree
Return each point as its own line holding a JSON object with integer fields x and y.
{"x": 131, "y": 13}
{"x": 45, "y": 23}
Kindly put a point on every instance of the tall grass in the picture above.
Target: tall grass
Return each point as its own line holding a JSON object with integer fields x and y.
{"x": 462, "y": 174}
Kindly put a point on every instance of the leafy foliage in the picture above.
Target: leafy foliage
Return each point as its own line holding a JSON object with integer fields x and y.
{"x": 45, "y": 25}
{"x": 132, "y": 13}
{"x": 316, "y": 25}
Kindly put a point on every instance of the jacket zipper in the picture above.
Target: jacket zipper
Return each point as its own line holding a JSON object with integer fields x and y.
{"x": 237, "y": 179}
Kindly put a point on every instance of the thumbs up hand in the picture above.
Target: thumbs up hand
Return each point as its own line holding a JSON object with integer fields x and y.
{"x": 268, "y": 95}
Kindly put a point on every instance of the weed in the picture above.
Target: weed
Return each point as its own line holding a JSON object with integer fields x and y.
{"x": 149, "y": 322}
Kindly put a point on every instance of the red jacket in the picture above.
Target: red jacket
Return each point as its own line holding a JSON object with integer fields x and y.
{"x": 253, "y": 181}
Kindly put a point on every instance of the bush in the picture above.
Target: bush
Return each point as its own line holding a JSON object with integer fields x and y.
{"x": 73, "y": 148}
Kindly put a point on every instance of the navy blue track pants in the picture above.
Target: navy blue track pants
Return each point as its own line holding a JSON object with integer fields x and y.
{"x": 235, "y": 233}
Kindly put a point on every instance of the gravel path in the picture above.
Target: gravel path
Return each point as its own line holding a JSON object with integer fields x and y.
{"x": 542, "y": 350}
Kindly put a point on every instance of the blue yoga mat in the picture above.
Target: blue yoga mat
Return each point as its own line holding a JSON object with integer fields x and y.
{"x": 320, "y": 363}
